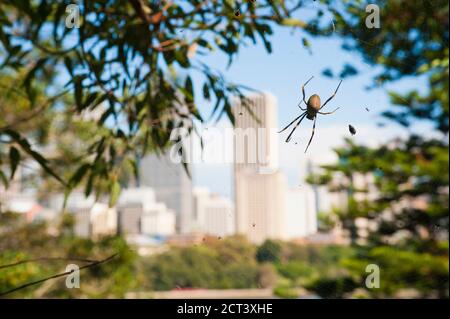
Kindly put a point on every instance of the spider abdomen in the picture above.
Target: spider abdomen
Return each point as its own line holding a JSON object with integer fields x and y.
{"x": 313, "y": 106}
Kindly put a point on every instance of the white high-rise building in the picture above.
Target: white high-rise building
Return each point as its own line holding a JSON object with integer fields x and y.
{"x": 171, "y": 184}
{"x": 212, "y": 214}
{"x": 259, "y": 186}
{"x": 301, "y": 212}
{"x": 140, "y": 213}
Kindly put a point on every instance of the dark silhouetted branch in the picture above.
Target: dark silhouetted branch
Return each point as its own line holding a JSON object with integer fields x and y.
{"x": 44, "y": 259}
{"x": 92, "y": 264}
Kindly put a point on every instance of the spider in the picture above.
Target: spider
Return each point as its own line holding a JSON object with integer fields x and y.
{"x": 313, "y": 108}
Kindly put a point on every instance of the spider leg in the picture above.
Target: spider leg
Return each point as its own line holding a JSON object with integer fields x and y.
{"x": 312, "y": 135}
{"x": 293, "y": 130}
{"x": 326, "y": 113}
{"x": 331, "y": 97}
{"x": 292, "y": 122}
{"x": 300, "y": 106}
{"x": 303, "y": 89}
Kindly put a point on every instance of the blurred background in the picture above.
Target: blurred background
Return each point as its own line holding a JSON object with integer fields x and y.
{"x": 89, "y": 98}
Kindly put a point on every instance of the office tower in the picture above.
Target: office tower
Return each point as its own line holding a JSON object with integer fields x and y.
{"x": 171, "y": 184}
{"x": 212, "y": 213}
{"x": 317, "y": 206}
{"x": 256, "y": 142}
{"x": 260, "y": 206}
{"x": 301, "y": 212}
{"x": 259, "y": 186}
{"x": 140, "y": 213}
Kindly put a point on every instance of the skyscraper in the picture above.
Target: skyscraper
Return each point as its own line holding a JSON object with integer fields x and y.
{"x": 171, "y": 184}
{"x": 259, "y": 186}
{"x": 301, "y": 211}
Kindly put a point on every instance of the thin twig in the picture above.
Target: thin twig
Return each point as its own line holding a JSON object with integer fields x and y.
{"x": 26, "y": 261}
{"x": 56, "y": 276}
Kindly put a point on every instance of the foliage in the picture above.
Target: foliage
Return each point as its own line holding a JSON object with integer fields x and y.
{"x": 229, "y": 263}
{"x": 329, "y": 287}
{"x": 269, "y": 251}
{"x": 213, "y": 265}
{"x": 285, "y": 291}
{"x": 27, "y": 242}
{"x": 131, "y": 63}
{"x": 399, "y": 190}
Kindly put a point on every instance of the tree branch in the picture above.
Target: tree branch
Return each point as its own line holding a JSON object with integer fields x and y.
{"x": 96, "y": 263}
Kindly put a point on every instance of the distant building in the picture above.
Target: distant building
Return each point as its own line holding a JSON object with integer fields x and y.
{"x": 92, "y": 219}
{"x": 259, "y": 186}
{"x": 212, "y": 214}
{"x": 260, "y": 206}
{"x": 171, "y": 184}
{"x": 146, "y": 245}
{"x": 24, "y": 204}
{"x": 158, "y": 221}
{"x": 140, "y": 213}
{"x": 301, "y": 212}
{"x": 103, "y": 220}
{"x": 185, "y": 240}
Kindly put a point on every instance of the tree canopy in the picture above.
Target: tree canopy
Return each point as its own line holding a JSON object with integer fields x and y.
{"x": 130, "y": 65}
{"x": 404, "y": 193}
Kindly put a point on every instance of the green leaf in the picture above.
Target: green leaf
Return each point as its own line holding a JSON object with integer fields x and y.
{"x": 90, "y": 99}
{"x": 4, "y": 179}
{"x": 26, "y": 147}
{"x": 78, "y": 92}
{"x": 114, "y": 193}
{"x": 206, "y": 93}
{"x": 14, "y": 158}
{"x": 294, "y": 23}
{"x": 189, "y": 89}
{"x": 181, "y": 58}
{"x": 78, "y": 175}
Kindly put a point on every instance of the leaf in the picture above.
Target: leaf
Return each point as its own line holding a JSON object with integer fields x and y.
{"x": 89, "y": 185}
{"x": 186, "y": 169}
{"x": 114, "y": 193}
{"x": 182, "y": 58}
{"x": 68, "y": 64}
{"x": 14, "y": 158}
{"x": 78, "y": 175}
{"x": 294, "y": 23}
{"x": 189, "y": 90}
{"x": 26, "y": 147}
{"x": 306, "y": 43}
{"x": 206, "y": 93}
{"x": 349, "y": 70}
{"x": 78, "y": 92}
{"x": 90, "y": 99}
{"x": 134, "y": 167}
{"x": 328, "y": 73}
{"x": 4, "y": 179}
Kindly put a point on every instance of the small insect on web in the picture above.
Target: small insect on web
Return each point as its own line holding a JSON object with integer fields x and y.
{"x": 313, "y": 107}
